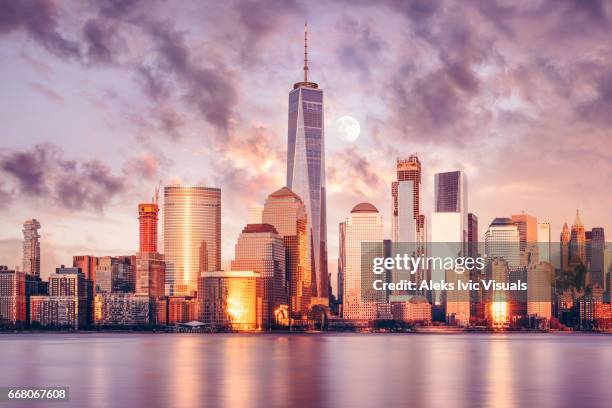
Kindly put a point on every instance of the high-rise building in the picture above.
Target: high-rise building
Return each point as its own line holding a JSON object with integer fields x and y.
{"x": 147, "y": 219}
{"x": 150, "y": 266}
{"x": 528, "y": 235}
{"x": 544, "y": 244}
{"x": 231, "y": 299}
{"x": 577, "y": 244}
{"x": 107, "y": 274}
{"x": 31, "y": 247}
{"x": 12, "y": 297}
{"x": 451, "y": 192}
{"x": 564, "y": 241}
{"x": 363, "y": 241}
{"x": 260, "y": 249}
{"x": 192, "y": 215}
{"x": 306, "y": 171}
{"x": 68, "y": 303}
{"x": 150, "y": 274}
{"x": 496, "y": 305}
{"x": 407, "y": 222}
{"x": 502, "y": 240}
{"x": 539, "y": 289}
{"x": 472, "y": 235}
{"x": 88, "y": 265}
{"x": 596, "y": 255}
{"x": 286, "y": 212}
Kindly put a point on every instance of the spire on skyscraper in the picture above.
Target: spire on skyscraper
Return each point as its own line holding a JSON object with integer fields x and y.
{"x": 305, "y": 52}
{"x": 577, "y": 220}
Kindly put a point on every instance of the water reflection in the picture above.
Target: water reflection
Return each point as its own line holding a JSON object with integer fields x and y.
{"x": 109, "y": 370}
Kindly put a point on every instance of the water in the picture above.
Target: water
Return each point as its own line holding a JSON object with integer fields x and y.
{"x": 339, "y": 370}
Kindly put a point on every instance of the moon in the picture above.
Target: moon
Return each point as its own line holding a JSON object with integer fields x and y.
{"x": 347, "y": 128}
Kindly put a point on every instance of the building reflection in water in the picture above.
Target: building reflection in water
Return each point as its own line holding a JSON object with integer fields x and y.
{"x": 279, "y": 370}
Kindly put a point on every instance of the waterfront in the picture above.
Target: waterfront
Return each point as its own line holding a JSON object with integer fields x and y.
{"x": 277, "y": 370}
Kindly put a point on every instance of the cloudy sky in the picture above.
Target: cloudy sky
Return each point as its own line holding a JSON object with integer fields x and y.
{"x": 102, "y": 100}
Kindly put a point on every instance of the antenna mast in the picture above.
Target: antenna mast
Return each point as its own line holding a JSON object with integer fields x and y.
{"x": 305, "y": 52}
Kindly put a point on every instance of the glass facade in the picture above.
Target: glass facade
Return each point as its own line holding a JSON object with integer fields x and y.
{"x": 192, "y": 215}
{"x": 260, "y": 249}
{"x": 286, "y": 212}
{"x": 306, "y": 172}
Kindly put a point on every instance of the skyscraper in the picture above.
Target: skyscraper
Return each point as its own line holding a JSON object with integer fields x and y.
{"x": 449, "y": 233}
{"x": 150, "y": 265}
{"x": 564, "y": 240}
{"x": 502, "y": 240}
{"x": 596, "y": 249}
{"x": 407, "y": 222}
{"x": 192, "y": 215}
{"x": 577, "y": 244}
{"x": 306, "y": 170}
{"x": 472, "y": 235}
{"x": 147, "y": 218}
{"x": 88, "y": 265}
{"x": 544, "y": 249}
{"x": 528, "y": 235}
{"x": 286, "y": 212}
{"x": 363, "y": 241}
{"x": 260, "y": 249}
{"x": 31, "y": 247}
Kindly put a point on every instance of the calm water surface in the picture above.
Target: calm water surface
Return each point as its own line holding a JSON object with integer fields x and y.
{"x": 339, "y": 370}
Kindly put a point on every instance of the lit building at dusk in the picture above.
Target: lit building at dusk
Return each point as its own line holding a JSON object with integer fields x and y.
{"x": 231, "y": 299}
{"x": 544, "y": 242}
{"x": 577, "y": 243}
{"x": 261, "y": 249}
{"x": 88, "y": 265}
{"x": 181, "y": 309}
{"x": 286, "y": 212}
{"x": 502, "y": 240}
{"x": 31, "y": 247}
{"x": 363, "y": 232}
{"x": 121, "y": 309}
{"x": 147, "y": 220}
{"x": 306, "y": 171}
{"x": 12, "y": 297}
{"x": 192, "y": 215}
{"x": 407, "y": 222}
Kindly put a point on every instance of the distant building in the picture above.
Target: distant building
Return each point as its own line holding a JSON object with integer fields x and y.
{"x": 363, "y": 232}
{"x": 125, "y": 309}
{"x": 261, "y": 249}
{"x": 502, "y": 240}
{"x": 192, "y": 215}
{"x": 181, "y": 309}
{"x": 147, "y": 219}
{"x": 415, "y": 310}
{"x": 55, "y": 312}
{"x": 107, "y": 274}
{"x": 407, "y": 222}
{"x": 596, "y": 247}
{"x": 564, "y": 241}
{"x": 496, "y": 302}
{"x": 68, "y": 303}
{"x": 31, "y": 247}
{"x": 150, "y": 274}
{"x": 286, "y": 212}
{"x": 539, "y": 290}
{"x": 341, "y": 262}
{"x": 472, "y": 235}
{"x": 457, "y": 300}
{"x": 88, "y": 265}
{"x": 544, "y": 242}
{"x": 577, "y": 244}
{"x": 527, "y": 226}
{"x": 232, "y": 299}
{"x": 12, "y": 297}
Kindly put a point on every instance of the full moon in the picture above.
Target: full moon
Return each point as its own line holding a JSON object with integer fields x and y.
{"x": 347, "y": 128}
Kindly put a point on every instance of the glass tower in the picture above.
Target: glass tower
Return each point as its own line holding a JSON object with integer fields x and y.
{"x": 306, "y": 170}
{"x": 192, "y": 215}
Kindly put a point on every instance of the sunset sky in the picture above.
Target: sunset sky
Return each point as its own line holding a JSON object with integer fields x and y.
{"x": 102, "y": 100}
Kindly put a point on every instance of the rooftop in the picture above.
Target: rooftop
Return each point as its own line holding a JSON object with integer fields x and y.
{"x": 364, "y": 208}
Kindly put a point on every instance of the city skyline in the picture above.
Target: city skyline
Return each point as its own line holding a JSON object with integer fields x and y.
{"x": 125, "y": 153}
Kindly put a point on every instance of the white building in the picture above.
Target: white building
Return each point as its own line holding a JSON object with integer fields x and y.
{"x": 363, "y": 231}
